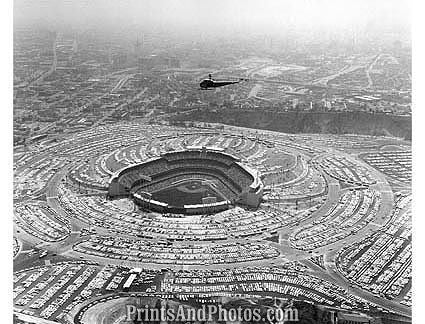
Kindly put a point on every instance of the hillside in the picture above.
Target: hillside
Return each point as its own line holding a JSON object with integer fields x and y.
{"x": 309, "y": 122}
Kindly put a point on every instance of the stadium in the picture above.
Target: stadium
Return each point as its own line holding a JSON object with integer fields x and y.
{"x": 255, "y": 215}
{"x": 197, "y": 180}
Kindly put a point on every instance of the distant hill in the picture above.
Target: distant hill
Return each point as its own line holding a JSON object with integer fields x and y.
{"x": 309, "y": 122}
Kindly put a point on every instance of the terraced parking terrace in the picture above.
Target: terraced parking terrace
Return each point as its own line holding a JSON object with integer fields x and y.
{"x": 131, "y": 209}
{"x": 382, "y": 262}
{"x": 396, "y": 165}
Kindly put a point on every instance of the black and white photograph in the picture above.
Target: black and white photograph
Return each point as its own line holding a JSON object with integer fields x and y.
{"x": 210, "y": 162}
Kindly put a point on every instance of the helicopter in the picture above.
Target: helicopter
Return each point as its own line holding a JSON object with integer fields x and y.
{"x": 210, "y": 83}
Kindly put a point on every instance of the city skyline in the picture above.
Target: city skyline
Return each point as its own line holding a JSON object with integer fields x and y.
{"x": 272, "y": 17}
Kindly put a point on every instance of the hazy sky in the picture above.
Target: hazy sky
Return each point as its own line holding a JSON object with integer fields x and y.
{"x": 267, "y": 15}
